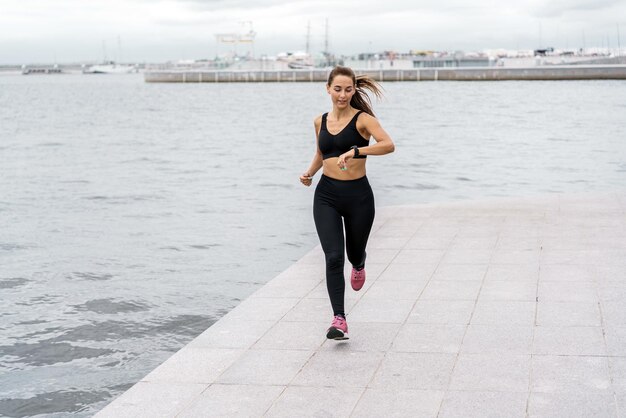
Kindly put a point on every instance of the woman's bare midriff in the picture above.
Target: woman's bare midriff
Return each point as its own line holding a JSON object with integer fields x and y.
{"x": 356, "y": 169}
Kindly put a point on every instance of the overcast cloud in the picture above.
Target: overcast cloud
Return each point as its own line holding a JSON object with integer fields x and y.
{"x": 156, "y": 31}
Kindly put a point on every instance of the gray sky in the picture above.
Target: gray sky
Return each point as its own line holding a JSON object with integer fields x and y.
{"x": 156, "y": 31}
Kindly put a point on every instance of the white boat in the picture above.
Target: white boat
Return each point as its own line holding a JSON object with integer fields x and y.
{"x": 296, "y": 60}
{"x": 299, "y": 65}
{"x": 110, "y": 67}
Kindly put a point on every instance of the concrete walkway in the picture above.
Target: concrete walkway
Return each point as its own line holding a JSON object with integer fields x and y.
{"x": 501, "y": 307}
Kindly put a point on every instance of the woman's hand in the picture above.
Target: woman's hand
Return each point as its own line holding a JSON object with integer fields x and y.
{"x": 343, "y": 160}
{"x": 306, "y": 179}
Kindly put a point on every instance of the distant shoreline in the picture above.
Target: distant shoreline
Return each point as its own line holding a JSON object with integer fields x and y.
{"x": 255, "y": 75}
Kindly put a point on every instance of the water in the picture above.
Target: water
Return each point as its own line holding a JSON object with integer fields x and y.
{"x": 133, "y": 215}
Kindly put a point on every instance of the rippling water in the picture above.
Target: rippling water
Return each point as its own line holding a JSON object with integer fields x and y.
{"x": 133, "y": 215}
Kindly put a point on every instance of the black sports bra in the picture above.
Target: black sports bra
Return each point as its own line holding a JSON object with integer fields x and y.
{"x": 335, "y": 145}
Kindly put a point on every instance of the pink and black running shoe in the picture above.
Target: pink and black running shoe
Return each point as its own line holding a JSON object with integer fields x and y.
{"x": 357, "y": 278}
{"x": 338, "y": 329}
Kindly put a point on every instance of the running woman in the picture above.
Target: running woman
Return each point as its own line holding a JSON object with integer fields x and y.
{"x": 343, "y": 194}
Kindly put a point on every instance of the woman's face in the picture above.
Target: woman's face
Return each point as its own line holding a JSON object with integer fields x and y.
{"x": 341, "y": 91}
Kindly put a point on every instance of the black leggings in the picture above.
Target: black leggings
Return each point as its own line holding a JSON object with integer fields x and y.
{"x": 353, "y": 201}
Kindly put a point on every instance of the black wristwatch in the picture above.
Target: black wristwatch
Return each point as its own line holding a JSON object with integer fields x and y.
{"x": 356, "y": 150}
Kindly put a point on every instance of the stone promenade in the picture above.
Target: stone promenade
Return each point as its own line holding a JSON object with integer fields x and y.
{"x": 491, "y": 308}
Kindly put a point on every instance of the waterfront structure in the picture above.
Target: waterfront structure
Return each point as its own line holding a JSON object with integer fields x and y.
{"x": 562, "y": 72}
{"x": 41, "y": 69}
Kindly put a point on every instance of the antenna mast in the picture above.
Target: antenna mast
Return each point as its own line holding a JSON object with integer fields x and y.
{"x": 326, "y": 38}
{"x": 619, "y": 44}
{"x": 308, "y": 36}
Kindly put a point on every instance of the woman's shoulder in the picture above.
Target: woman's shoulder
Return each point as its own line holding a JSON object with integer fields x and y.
{"x": 364, "y": 117}
{"x": 318, "y": 119}
{"x": 362, "y": 114}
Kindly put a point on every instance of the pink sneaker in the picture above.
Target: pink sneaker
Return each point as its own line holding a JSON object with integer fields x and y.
{"x": 357, "y": 278}
{"x": 338, "y": 329}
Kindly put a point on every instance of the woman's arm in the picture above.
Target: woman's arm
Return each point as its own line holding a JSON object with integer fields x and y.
{"x": 384, "y": 144}
{"x": 317, "y": 162}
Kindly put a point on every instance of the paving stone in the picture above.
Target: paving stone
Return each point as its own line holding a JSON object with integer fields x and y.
{"x": 418, "y": 256}
{"x": 572, "y": 257}
{"x": 194, "y": 365}
{"x": 481, "y": 243}
{"x": 433, "y": 241}
{"x": 262, "y": 309}
{"x": 230, "y": 333}
{"x": 434, "y": 230}
{"x": 610, "y": 273}
{"x": 508, "y": 290}
{"x": 485, "y": 227}
{"x": 480, "y": 404}
{"x": 495, "y": 339}
{"x": 451, "y": 290}
{"x": 232, "y": 401}
{"x": 396, "y": 231}
{"x": 315, "y": 310}
{"x": 441, "y": 312}
{"x": 577, "y": 374}
{"x": 150, "y": 400}
{"x": 504, "y": 312}
{"x": 459, "y": 272}
{"x": 612, "y": 291}
{"x": 300, "y": 272}
{"x": 334, "y": 368}
{"x": 572, "y": 405}
{"x": 284, "y": 289}
{"x": 463, "y": 256}
{"x": 506, "y": 241}
{"x": 566, "y": 314}
{"x": 395, "y": 289}
{"x": 512, "y": 272}
{"x": 491, "y": 372}
{"x": 617, "y": 370}
{"x": 315, "y": 402}
{"x": 265, "y": 367}
{"x": 567, "y": 291}
{"x": 567, "y": 273}
{"x": 428, "y": 338}
{"x": 414, "y": 371}
{"x": 376, "y": 403}
{"x": 389, "y": 243}
{"x": 615, "y": 340}
{"x": 613, "y": 314}
{"x": 321, "y": 291}
{"x": 527, "y": 257}
{"x": 609, "y": 257}
{"x": 576, "y": 341}
{"x": 382, "y": 256}
{"x": 381, "y": 310}
{"x": 404, "y": 272}
{"x": 293, "y": 336}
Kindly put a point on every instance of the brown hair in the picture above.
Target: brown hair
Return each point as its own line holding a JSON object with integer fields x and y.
{"x": 360, "y": 100}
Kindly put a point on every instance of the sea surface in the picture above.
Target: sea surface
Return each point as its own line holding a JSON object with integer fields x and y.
{"x": 135, "y": 215}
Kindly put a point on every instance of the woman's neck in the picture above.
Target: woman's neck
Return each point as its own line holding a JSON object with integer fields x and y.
{"x": 339, "y": 114}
